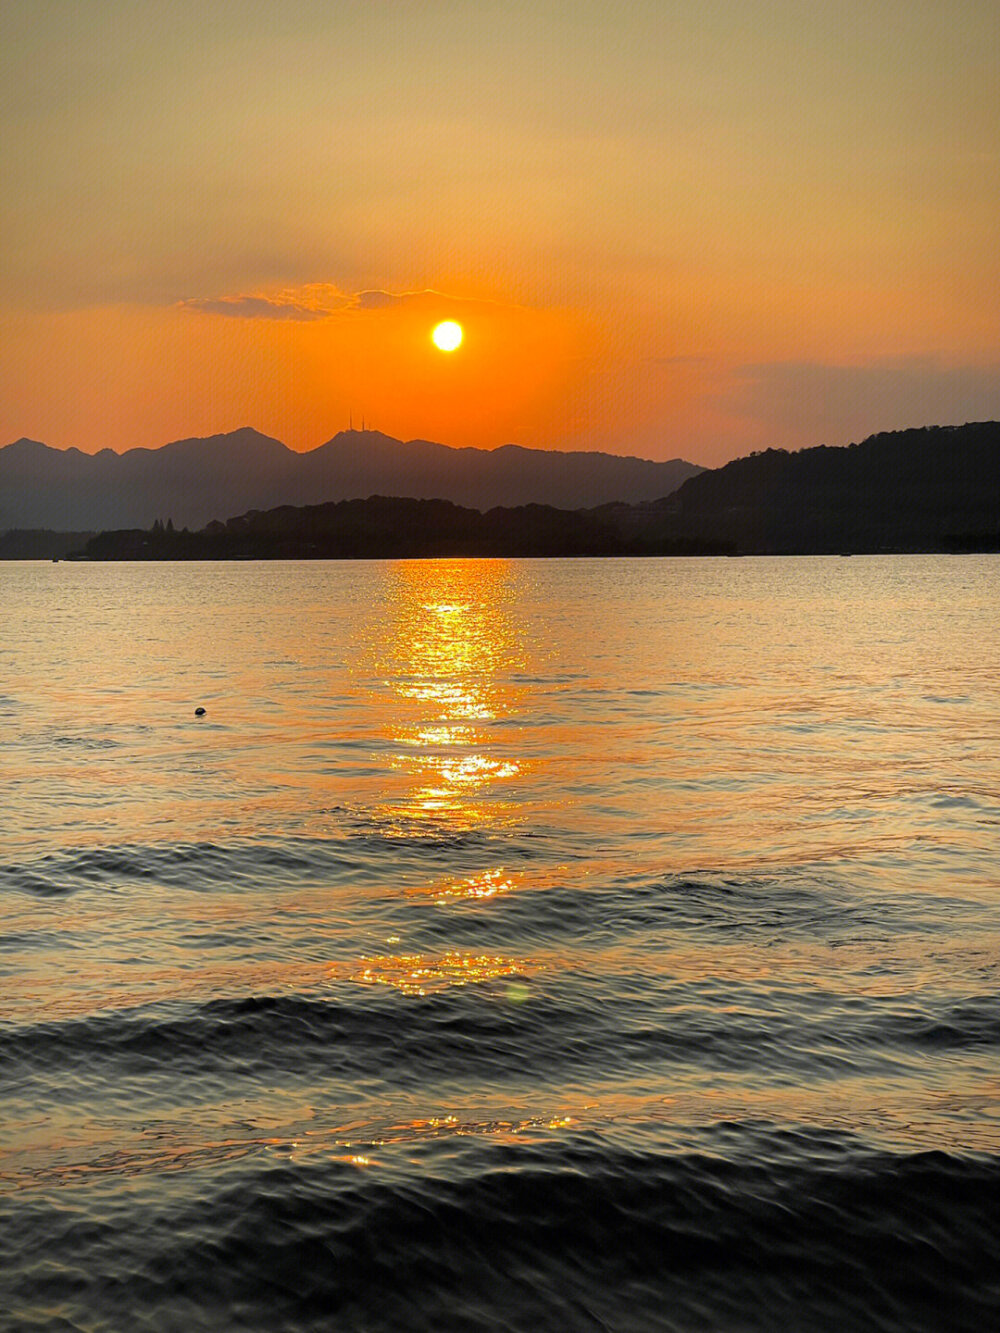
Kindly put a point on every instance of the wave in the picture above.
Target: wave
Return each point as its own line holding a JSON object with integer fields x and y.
{"x": 494, "y": 1019}
{"x": 751, "y": 1229}
{"x": 258, "y": 863}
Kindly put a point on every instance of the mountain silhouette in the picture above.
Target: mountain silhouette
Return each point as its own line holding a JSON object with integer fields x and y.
{"x": 385, "y": 527}
{"x": 930, "y": 489}
{"x": 936, "y": 489}
{"x": 196, "y": 480}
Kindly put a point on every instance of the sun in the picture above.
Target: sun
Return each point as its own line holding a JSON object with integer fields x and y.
{"x": 447, "y": 336}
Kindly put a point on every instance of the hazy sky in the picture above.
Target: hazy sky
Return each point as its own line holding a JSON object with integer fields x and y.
{"x": 667, "y": 228}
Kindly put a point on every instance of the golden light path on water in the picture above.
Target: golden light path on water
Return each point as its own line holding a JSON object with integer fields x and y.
{"x": 448, "y": 657}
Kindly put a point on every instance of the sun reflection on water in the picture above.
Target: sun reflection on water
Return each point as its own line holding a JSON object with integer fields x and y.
{"x": 485, "y": 884}
{"x": 448, "y": 656}
{"x": 419, "y": 974}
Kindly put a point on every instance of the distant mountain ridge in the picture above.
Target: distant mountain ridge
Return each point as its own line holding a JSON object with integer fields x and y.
{"x": 196, "y": 480}
{"x": 935, "y": 488}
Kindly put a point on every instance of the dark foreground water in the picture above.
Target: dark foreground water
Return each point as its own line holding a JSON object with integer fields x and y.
{"x": 511, "y": 946}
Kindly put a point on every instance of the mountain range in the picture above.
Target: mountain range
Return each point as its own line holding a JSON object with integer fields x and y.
{"x": 936, "y": 489}
{"x": 195, "y": 481}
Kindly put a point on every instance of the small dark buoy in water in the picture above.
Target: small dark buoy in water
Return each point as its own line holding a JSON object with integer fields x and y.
{"x": 199, "y": 712}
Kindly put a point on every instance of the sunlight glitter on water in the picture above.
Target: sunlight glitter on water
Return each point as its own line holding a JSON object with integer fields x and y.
{"x": 418, "y": 974}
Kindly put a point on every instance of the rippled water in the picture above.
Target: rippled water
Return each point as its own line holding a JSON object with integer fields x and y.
{"x": 529, "y": 945}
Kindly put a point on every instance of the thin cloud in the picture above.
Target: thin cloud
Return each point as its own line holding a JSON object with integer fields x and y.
{"x": 376, "y": 300}
{"x": 321, "y": 300}
{"x": 381, "y": 300}
{"x": 315, "y": 300}
{"x": 251, "y": 307}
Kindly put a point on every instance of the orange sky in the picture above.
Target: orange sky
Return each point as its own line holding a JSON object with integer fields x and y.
{"x": 670, "y": 230}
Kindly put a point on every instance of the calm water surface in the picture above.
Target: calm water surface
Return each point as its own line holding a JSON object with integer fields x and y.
{"x": 513, "y": 945}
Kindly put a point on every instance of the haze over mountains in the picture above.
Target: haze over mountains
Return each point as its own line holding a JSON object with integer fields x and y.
{"x": 197, "y": 480}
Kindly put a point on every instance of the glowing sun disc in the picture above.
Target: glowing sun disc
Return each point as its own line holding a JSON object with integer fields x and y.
{"x": 447, "y": 336}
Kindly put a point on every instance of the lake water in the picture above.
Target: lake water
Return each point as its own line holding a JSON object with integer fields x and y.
{"x": 512, "y": 945}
